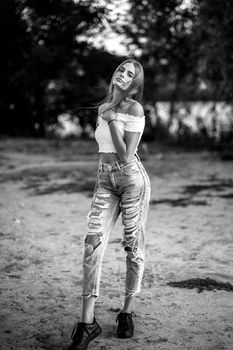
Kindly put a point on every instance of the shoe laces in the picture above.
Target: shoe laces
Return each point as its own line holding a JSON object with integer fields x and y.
{"x": 78, "y": 330}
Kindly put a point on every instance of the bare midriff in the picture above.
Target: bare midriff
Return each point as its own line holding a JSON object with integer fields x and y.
{"x": 109, "y": 157}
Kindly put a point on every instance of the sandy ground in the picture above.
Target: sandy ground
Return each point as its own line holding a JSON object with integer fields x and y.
{"x": 45, "y": 195}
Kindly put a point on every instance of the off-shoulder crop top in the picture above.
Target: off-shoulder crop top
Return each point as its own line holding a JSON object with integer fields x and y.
{"x": 125, "y": 122}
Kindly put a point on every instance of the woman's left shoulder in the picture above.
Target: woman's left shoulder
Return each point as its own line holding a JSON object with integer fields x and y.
{"x": 136, "y": 109}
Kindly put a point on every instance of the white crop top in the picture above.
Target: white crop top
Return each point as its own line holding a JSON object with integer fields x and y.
{"x": 125, "y": 122}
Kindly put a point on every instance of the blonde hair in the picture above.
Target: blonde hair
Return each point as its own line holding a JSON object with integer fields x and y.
{"x": 135, "y": 88}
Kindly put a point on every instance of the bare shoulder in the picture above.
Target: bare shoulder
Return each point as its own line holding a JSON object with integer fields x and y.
{"x": 136, "y": 109}
{"x": 102, "y": 107}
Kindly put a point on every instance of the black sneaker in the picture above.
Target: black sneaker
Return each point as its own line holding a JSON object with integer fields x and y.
{"x": 125, "y": 327}
{"x": 83, "y": 333}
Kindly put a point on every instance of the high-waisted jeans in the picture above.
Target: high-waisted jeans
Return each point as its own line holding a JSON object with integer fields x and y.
{"x": 120, "y": 187}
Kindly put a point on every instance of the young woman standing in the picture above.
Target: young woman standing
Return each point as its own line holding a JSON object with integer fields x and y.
{"x": 122, "y": 185}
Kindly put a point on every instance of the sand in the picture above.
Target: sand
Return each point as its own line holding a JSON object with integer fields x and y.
{"x": 45, "y": 195}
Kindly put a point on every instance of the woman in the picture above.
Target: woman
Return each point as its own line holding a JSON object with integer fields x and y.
{"x": 122, "y": 186}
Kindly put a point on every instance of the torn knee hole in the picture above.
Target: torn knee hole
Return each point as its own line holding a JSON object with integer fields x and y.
{"x": 132, "y": 250}
{"x": 93, "y": 240}
{"x": 128, "y": 249}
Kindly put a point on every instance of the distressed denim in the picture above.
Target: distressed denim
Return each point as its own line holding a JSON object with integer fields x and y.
{"x": 120, "y": 188}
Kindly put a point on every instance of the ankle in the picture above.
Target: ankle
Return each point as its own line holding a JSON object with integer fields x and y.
{"x": 88, "y": 320}
{"x": 125, "y": 311}
{"x": 88, "y": 317}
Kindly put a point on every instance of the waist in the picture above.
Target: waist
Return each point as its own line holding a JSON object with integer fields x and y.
{"x": 109, "y": 157}
{"x": 117, "y": 164}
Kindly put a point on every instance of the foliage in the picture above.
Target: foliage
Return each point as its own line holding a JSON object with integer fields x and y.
{"x": 52, "y": 63}
{"x": 163, "y": 31}
{"x": 194, "y": 124}
{"x": 214, "y": 34}
{"x": 46, "y": 63}
{"x": 186, "y": 47}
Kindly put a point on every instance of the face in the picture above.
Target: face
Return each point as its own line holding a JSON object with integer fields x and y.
{"x": 124, "y": 76}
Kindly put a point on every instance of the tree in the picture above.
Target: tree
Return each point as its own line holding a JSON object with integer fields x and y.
{"x": 214, "y": 31}
{"x": 44, "y": 46}
{"x": 14, "y": 52}
{"x": 163, "y": 31}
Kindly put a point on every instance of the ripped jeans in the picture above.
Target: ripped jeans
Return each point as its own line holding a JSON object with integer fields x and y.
{"x": 125, "y": 188}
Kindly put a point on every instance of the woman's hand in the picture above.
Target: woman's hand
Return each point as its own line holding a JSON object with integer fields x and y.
{"x": 108, "y": 115}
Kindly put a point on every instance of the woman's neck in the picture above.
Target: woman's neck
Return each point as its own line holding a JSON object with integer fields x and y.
{"x": 116, "y": 95}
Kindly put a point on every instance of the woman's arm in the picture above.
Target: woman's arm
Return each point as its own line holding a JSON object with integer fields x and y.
{"x": 125, "y": 147}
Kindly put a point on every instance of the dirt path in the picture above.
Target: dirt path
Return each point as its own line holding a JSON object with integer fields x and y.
{"x": 45, "y": 194}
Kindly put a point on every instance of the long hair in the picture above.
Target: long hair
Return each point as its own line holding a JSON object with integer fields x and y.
{"x": 135, "y": 89}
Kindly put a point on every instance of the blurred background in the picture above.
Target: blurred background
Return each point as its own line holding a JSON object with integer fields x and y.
{"x": 58, "y": 56}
